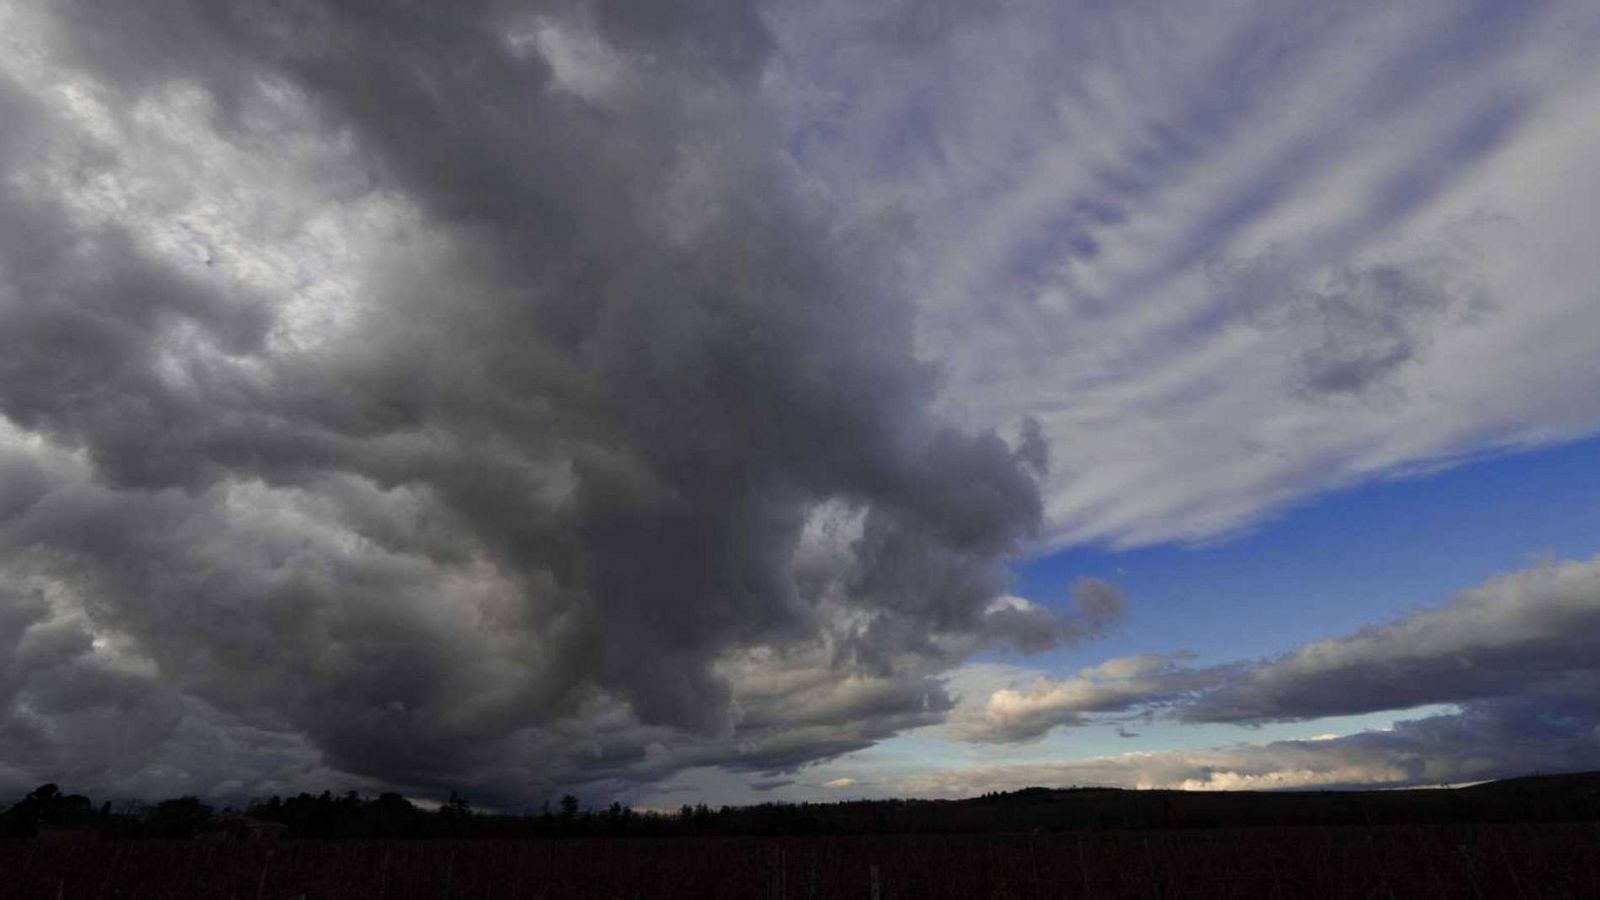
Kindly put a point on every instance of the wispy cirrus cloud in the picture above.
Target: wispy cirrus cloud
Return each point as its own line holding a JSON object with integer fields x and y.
{"x": 1229, "y": 255}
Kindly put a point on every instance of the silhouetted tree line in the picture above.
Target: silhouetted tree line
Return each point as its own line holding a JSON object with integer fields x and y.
{"x": 392, "y": 816}
{"x": 47, "y": 811}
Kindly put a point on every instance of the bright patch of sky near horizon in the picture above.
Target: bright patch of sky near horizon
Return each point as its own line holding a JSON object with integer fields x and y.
{"x": 1353, "y": 558}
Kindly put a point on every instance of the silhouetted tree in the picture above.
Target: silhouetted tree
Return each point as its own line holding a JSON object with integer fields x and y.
{"x": 392, "y": 815}
{"x": 618, "y": 818}
{"x": 46, "y": 806}
{"x": 180, "y": 817}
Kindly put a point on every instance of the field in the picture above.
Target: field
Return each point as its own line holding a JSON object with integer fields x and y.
{"x": 1401, "y": 861}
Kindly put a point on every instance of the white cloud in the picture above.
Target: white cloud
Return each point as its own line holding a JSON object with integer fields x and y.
{"x": 1028, "y": 711}
{"x": 1478, "y": 744}
{"x": 1511, "y": 663}
{"x": 579, "y": 58}
{"x": 1419, "y": 172}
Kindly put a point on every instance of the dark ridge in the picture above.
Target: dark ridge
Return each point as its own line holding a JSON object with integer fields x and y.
{"x": 50, "y": 813}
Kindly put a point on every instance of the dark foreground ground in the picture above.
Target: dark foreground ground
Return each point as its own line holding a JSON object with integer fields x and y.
{"x": 1399, "y": 861}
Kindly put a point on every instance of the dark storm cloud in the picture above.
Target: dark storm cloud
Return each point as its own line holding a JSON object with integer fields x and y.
{"x": 616, "y": 427}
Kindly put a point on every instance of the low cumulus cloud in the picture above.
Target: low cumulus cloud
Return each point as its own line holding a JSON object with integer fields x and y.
{"x": 459, "y": 395}
{"x": 1548, "y": 732}
{"x": 1506, "y": 638}
{"x": 1097, "y": 606}
{"x": 1516, "y": 655}
{"x": 1129, "y": 683}
{"x": 1510, "y": 637}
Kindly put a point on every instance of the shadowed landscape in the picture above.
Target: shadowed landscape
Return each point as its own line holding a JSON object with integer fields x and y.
{"x": 1527, "y": 837}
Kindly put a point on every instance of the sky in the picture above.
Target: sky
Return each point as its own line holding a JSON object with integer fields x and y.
{"x": 702, "y": 401}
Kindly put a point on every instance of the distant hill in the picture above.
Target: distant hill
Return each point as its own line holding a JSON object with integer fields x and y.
{"x": 1538, "y": 798}
{"x": 1535, "y": 798}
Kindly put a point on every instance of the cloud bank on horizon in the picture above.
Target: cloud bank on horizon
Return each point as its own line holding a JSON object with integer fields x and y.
{"x": 1516, "y": 655}
{"x": 509, "y": 396}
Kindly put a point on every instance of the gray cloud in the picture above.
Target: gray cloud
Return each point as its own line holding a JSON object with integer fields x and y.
{"x": 505, "y": 395}
{"x": 1516, "y": 653}
{"x": 1494, "y": 739}
{"x": 1350, "y": 331}
{"x": 1544, "y": 720}
{"x": 1506, "y": 638}
{"x": 1125, "y": 684}
{"x": 459, "y": 396}
{"x": 1098, "y": 606}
